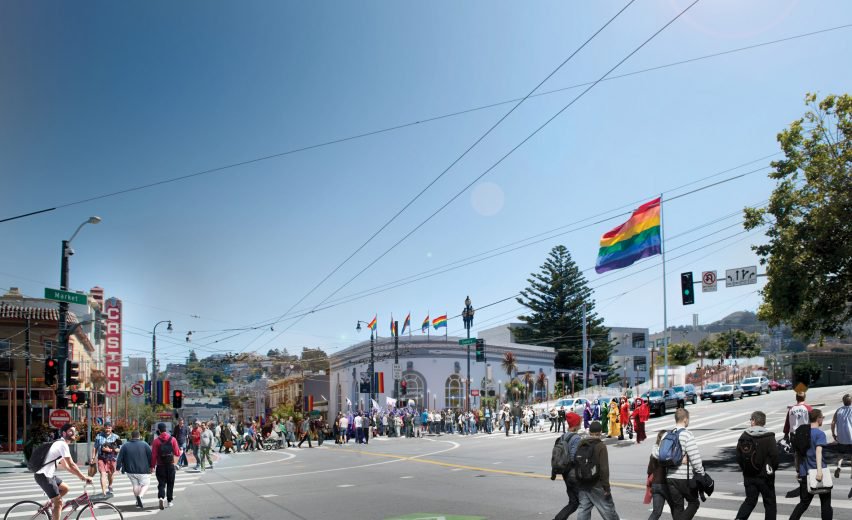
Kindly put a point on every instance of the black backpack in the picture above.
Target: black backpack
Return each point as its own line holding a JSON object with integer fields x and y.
{"x": 748, "y": 458}
{"x": 802, "y": 439}
{"x": 587, "y": 466}
{"x": 166, "y": 453}
{"x": 564, "y": 453}
{"x": 38, "y": 458}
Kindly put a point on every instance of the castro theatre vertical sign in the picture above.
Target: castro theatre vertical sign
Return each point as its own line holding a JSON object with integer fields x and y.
{"x": 113, "y": 347}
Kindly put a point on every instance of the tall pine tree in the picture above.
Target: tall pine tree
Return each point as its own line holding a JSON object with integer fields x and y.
{"x": 555, "y": 299}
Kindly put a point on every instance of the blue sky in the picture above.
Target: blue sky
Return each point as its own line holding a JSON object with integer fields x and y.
{"x": 99, "y": 97}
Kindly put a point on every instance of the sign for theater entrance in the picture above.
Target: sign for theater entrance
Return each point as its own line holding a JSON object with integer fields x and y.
{"x": 112, "y": 351}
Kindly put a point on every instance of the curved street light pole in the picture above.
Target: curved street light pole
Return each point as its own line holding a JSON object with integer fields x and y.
{"x": 154, "y": 359}
{"x": 62, "y": 359}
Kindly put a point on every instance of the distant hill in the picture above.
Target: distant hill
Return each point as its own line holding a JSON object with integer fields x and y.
{"x": 743, "y": 320}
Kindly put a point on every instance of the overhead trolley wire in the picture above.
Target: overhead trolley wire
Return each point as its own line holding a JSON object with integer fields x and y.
{"x": 420, "y": 122}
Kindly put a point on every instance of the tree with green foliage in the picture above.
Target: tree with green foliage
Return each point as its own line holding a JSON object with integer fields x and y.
{"x": 682, "y": 353}
{"x": 554, "y": 299}
{"x": 809, "y": 223}
{"x": 807, "y": 372}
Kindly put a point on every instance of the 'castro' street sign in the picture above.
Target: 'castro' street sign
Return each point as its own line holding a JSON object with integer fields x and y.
{"x": 467, "y": 341}
{"x": 65, "y": 296}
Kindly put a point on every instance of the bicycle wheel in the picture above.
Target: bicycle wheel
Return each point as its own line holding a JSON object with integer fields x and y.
{"x": 25, "y": 510}
{"x": 100, "y": 511}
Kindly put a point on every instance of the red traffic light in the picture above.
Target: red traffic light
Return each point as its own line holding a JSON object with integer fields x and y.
{"x": 74, "y": 397}
{"x": 51, "y": 363}
{"x": 178, "y": 393}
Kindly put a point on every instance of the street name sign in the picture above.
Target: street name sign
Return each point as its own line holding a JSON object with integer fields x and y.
{"x": 65, "y": 296}
{"x": 741, "y": 276}
{"x": 57, "y": 418}
{"x": 467, "y": 341}
{"x": 708, "y": 281}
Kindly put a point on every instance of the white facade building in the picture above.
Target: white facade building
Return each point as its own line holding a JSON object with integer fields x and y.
{"x": 434, "y": 369}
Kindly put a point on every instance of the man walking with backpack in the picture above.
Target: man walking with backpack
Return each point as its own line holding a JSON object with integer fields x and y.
{"x": 675, "y": 445}
{"x": 568, "y": 443}
{"x": 757, "y": 455}
{"x": 797, "y": 416}
{"x": 591, "y": 465}
{"x": 164, "y": 449}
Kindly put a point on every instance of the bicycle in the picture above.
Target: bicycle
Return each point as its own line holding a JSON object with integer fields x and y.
{"x": 30, "y": 509}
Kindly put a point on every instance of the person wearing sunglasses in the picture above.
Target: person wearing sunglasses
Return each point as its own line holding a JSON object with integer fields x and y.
{"x": 58, "y": 454}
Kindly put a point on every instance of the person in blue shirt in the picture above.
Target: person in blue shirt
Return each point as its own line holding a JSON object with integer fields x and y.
{"x": 813, "y": 460}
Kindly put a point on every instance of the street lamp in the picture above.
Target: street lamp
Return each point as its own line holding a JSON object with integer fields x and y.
{"x": 154, "y": 359}
{"x": 467, "y": 319}
{"x": 372, "y": 353}
{"x": 63, "y": 306}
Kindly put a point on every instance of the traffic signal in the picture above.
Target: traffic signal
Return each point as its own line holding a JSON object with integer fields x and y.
{"x": 72, "y": 373}
{"x": 686, "y": 292}
{"x": 77, "y": 398}
{"x": 403, "y": 387}
{"x": 480, "y": 351}
{"x": 50, "y": 371}
{"x": 177, "y": 398}
{"x": 61, "y": 402}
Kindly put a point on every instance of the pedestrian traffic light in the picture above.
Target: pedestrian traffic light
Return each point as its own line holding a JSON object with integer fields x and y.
{"x": 50, "y": 371}
{"x": 177, "y": 398}
{"x": 72, "y": 373}
{"x": 686, "y": 292}
{"x": 403, "y": 387}
{"x": 480, "y": 351}
{"x": 77, "y": 398}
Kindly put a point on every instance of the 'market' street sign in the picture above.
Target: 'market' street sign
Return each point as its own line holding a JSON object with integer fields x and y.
{"x": 467, "y": 341}
{"x": 65, "y": 296}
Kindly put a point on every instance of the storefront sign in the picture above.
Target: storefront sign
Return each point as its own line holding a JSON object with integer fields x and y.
{"x": 112, "y": 351}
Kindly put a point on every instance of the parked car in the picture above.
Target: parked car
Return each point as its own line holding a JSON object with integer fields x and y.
{"x": 727, "y": 393}
{"x": 781, "y": 384}
{"x": 755, "y": 385}
{"x": 708, "y": 389}
{"x": 687, "y": 393}
{"x": 660, "y": 401}
{"x": 576, "y": 405}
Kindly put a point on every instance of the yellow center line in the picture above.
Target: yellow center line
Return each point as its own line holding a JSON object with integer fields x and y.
{"x": 626, "y": 485}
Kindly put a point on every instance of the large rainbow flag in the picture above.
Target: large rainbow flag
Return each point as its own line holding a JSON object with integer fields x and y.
{"x": 440, "y": 321}
{"x": 637, "y": 238}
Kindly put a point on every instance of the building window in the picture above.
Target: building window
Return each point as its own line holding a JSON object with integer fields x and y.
{"x": 415, "y": 388}
{"x": 5, "y": 355}
{"x": 638, "y": 340}
{"x": 540, "y": 391}
{"x": 453, "y": 392}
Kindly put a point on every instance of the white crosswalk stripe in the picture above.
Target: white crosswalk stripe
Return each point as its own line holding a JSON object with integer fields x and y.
{"x": 23, "y": 487}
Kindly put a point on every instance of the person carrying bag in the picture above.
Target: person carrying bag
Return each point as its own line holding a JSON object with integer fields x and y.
{"x": 813, "y": 474}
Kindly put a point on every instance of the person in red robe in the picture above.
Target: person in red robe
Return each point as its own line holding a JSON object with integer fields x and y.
{"x": 641, "y": 412}
{"x": 625, "y": 416}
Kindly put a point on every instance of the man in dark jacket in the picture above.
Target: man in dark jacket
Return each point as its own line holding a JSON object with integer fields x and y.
{"x": 134, "y": 460}
{"x": 757, "y": 455}
{"x": 181, "y": 436}
{"x": 574, "y": 422}
{"x": 597, "y": 493}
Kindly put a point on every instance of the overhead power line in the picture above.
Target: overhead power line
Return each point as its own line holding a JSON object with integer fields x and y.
{"x": 421, "y": 122}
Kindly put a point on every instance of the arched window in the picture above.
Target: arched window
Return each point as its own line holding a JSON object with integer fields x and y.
{"x": 415, "y": 390}
{"x": 540, "y": 391}
{"x": 454, "y": 392}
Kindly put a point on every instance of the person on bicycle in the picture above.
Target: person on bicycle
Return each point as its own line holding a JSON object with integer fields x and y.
{"x": 59, "y": 453}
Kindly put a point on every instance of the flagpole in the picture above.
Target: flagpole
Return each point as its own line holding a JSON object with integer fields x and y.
{"x": 428, "y": 326}
{"x": 665, "y": 307}
{"x": 446, "y": 328}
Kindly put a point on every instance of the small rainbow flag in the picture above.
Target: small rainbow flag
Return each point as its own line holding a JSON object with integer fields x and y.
{"x": 393, "y": 327}
{"x": 425, "y": 326}
{"x": 372, "y": 325}
{"x": 379, "y": 382}
{"x": 440, "y": 321}
{"x": 309, "y": 403}
{"x": 407, "y": 324}
{"x": 637, "y": 238}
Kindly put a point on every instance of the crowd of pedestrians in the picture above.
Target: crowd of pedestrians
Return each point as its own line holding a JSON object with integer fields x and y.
{"x": 676, "y": 474}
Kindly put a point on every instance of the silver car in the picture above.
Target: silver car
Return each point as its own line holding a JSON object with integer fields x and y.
{"x": 755, "y": 385}
{"x": 727, "y": 393}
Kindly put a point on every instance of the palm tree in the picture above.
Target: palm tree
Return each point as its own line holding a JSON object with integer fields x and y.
{"x": 542, "y": 383}
{"x": 528, "y": 383}
{"x": 509, "y": 363}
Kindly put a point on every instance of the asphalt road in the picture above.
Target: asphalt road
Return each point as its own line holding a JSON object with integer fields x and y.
{"x": 452, "y": 476}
